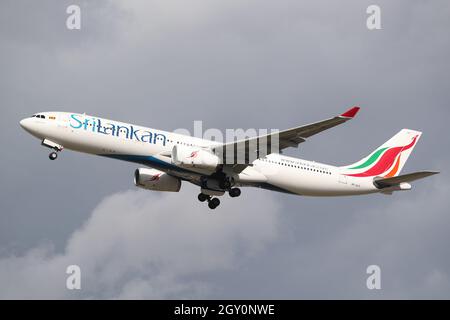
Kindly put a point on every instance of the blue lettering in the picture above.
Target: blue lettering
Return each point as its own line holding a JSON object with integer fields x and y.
{"x": 99, "y": 127}
{"x": 147, "y": 137}
{"x": 86, "y": 123}
{"x": 128, "y": 132}
{"x": 111, "y": 128}
{"x": 119, "y": 130}
{"x": 133, "y": 133}
{"x": 159, "y": 137}
{"x": 94, "y": 124}
{"x": 74, "y": 117}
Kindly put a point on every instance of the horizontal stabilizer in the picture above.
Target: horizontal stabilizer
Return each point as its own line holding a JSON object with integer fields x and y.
{"x": 393, "y": 181}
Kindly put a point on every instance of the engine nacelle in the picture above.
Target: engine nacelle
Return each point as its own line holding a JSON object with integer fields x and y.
{"x": 152, "y": 179}
{"x": 192, "y": 157}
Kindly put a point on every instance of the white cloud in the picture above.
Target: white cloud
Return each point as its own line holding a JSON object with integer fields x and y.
{"x": 406, "y": 235}
{"x": 141, "y": 244}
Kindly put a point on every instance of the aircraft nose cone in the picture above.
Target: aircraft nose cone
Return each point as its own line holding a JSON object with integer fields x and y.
{"x": 25, "y": 123}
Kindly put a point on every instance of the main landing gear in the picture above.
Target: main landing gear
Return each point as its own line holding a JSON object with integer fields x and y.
{"x": 215, "y": 202}
{"x": 212, "y": 202}
{"x": 235, "y": 192}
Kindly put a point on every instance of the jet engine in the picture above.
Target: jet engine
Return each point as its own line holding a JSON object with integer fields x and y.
{"x": 192, "y": 157}
{"x": 152, "y": 179}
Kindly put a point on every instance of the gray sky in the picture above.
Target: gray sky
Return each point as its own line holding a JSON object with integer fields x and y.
{"x": 231, "y": 64}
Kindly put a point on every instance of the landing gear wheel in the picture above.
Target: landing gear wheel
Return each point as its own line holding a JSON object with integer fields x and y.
{"x": 235, "y": 192}
{"x": 53, "y": 156}
{"x": 213, "y": 203}
{"x": 203, "y": 197}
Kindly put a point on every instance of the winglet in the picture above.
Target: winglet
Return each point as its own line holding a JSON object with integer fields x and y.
{"x": 350, "y": 113}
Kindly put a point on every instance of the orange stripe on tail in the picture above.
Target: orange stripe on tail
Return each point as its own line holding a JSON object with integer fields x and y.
{"x": 395, "y": 169}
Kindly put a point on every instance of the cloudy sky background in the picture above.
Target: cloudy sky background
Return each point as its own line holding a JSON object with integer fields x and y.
{"x": 231, "y": 64}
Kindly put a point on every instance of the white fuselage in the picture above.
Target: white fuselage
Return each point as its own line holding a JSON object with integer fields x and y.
{"x": 148, "y": 146}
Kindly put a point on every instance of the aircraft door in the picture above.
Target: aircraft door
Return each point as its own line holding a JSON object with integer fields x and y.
{"x": 342, "y": 179}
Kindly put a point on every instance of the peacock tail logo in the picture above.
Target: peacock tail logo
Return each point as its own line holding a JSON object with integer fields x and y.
{"x": 194, "y": 154}
{"x": 156, "y": 177}
{"x": 382, "y": 160}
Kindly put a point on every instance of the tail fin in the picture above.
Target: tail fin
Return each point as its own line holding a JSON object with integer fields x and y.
{"x": 388, "y": 160}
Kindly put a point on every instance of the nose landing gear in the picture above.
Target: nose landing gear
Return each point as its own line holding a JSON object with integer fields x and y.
{"x": 53, "y": 156}
{"x": 54, "y": 146}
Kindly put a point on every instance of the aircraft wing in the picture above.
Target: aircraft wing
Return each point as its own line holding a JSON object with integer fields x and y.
{"x": 389, "y": 182}
{"x": 244, "y": 152}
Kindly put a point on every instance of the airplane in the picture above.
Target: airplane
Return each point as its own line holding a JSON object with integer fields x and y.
{"x": 170, "y": 158}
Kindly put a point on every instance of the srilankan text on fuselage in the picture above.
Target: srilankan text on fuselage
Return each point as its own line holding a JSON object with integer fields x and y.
{"x": 110, "y": 128}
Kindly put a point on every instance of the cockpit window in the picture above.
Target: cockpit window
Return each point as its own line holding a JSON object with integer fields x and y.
{"x": 40, "y": 116}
